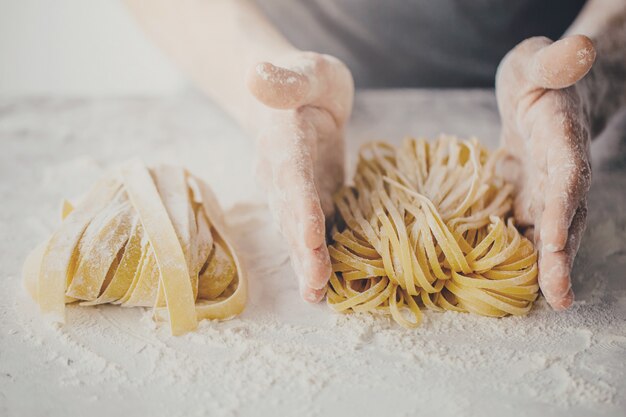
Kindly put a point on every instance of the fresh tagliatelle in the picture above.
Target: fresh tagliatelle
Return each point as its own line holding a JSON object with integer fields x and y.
{"x": 428, "y": 224}
{"x": 145, "y": 237}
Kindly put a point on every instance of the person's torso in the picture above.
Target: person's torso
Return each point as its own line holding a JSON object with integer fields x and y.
{"x": 419, "y": 43}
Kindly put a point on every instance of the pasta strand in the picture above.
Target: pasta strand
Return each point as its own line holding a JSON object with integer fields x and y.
{"x": 428, "y": 224}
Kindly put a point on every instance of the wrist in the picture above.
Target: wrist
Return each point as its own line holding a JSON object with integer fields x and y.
{"x": 603, "y": 91}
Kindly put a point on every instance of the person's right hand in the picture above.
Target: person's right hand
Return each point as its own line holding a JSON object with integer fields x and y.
{"x": 307, "y": 99}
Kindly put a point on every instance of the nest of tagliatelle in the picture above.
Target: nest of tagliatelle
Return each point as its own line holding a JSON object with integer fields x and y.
{"x": 141, "y": 237}
{"x": 428, "y": 224}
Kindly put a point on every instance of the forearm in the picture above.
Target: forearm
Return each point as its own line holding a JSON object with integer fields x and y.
{"x": 215, "y": 42}
{"x": 603, "y": 90}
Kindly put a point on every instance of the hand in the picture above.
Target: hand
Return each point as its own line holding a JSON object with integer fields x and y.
{"x": 307, "y": 99}
{"x": 547, "y": 139}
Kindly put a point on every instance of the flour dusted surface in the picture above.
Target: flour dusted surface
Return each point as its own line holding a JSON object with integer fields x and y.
{"x": 283, "y": 356}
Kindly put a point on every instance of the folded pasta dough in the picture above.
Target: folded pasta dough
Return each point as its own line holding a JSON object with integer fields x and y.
{"x": 428, "y": 224}
{"x": 141, "y": 237}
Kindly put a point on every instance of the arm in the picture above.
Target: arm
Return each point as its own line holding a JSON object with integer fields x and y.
{"x": 603, "y": 90}
{"x": 215, "y": 43}
{"x": 296, "y": 106}
{"x": 552, "y": 102}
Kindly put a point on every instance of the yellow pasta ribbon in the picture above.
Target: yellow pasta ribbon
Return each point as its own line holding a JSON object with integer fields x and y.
{"x": 428, "y": 224}
{"x": 142, "y": 236}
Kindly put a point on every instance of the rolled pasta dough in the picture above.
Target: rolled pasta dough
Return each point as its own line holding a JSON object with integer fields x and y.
{"x": 141, "y": 237}
{"x": 428, "y": 224}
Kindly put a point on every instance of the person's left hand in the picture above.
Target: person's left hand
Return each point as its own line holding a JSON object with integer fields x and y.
{"x": 547, "y": 139}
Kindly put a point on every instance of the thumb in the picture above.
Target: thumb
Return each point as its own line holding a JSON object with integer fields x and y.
{"x": 278, "y": 87}
{"x": 306, "y": 78}
{"x": 562, "y": 63}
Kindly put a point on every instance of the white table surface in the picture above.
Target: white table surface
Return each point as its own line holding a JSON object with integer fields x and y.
{"x": 283, "y": 357}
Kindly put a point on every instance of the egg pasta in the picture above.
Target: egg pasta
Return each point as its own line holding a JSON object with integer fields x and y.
{"x": 428, "y": 224}
{"x": 142, "y": 237}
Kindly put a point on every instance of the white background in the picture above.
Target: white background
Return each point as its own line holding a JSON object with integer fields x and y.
{"x": 78, "y": 48}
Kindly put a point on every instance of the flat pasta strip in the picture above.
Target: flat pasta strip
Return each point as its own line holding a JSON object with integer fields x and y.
{"x": 59, "y": 259}
{"x": 101, "y": 251}
{"x": 428, "y": 224}
{"x": 125, "y": 271}
{"x": 220, "y": 271}
{"x": 145, "y": 290}
{"x": 169, "y": 255}
{"x": 141, "y": 237}
{"x": 172, "y": 186}
{"x": 233, "y": 300}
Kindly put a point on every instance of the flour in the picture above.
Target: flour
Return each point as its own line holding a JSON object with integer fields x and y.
{"x": 544, "y": 356}
{"x": 282, "y": 356}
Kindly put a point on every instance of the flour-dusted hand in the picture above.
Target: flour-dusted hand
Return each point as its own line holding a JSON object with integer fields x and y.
{"x": 547, "y": 138}
{"x": 307, "y": 99}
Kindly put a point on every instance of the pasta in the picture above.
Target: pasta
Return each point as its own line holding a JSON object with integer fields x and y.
{"x": 141, "y": 237}
{"x": 428, "y": 225}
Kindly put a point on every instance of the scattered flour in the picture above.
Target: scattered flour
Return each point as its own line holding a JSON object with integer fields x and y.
{"x": 282, "y": 356}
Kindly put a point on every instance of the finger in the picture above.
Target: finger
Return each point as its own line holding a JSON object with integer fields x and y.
{"x": 303, "y": 210}
{"x": 294, "y": 179}
{"x": 555, "y": 267}
{"x": 314, "y": 273}
{"x": 277, "y": 87}
{"x": 576, "y": 230}
{"x": 568, "y": 181}
{"x": 313, "y": 269}
{"x": 288, "y": 147}
{"x": 329, "y": 157}
{"x": 562, "y": 63}
{"x": 305, "y": 78}
{"x": 303, "y": 220}
{"x": 554, "y": 280}
{"x": 317, "y": 267}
